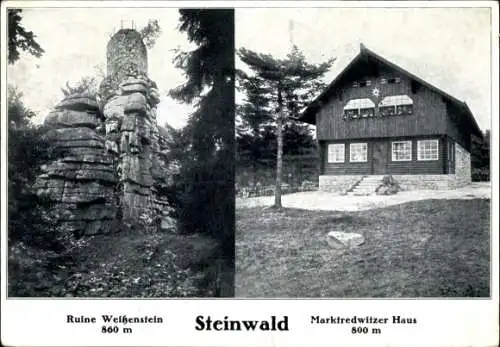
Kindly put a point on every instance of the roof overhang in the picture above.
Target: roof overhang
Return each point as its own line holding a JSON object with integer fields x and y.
{"x": 309, "y": 113}
{"x": 396, "y": 100}
{"x": 356, "y": 104}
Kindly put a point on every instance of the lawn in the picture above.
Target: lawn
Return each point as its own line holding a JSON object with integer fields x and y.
{"x": 429, "y": 248}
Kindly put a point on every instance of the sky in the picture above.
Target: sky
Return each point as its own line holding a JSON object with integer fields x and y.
{"x": 75, "y": 41}
{"x": 447, "y": 47}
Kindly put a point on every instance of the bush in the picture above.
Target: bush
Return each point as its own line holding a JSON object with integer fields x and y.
{"x": 27, "y": 151}
{"x": 480, "y": 174}
{"x": 389, "y": 186}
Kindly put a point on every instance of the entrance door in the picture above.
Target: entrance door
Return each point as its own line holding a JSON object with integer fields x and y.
{"x": 379, "y": 162}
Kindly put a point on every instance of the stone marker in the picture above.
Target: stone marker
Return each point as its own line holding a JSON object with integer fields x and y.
{"x": 339, "y": 239}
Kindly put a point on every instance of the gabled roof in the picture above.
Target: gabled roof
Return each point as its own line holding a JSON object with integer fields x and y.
{"x": 308, "y": 115}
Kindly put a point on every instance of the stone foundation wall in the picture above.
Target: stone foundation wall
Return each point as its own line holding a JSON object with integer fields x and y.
{"x": 337, "y": 184}
{"x": 417, "y": 182}
{"x": 341, "y": 183}
{"x": 432, "y": 182}
{"x": 462, "y": 166}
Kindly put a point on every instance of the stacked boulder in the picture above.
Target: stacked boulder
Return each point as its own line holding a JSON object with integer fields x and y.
{"x": 77, "y": 187}
{"x": 132, "y": 138}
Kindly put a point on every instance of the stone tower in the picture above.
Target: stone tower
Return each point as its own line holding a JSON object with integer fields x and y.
{"x": 128, "y": 99}
{"x": 108, "y": 165}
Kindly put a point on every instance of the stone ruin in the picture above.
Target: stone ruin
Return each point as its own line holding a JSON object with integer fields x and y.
{"x": 109, "y": 163}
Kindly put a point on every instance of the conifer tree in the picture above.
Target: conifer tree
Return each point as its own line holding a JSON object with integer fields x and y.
{"x": 207, "y": 163}
{"x": 19, "y": 38}
{"x": 292, "y": 83}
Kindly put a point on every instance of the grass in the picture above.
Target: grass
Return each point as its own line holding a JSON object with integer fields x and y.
{"x": 431, "y": 248}
{"x": 125, "y": 264}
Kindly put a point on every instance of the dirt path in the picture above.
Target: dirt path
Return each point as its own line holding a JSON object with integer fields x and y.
{"x": 323, "y": 201}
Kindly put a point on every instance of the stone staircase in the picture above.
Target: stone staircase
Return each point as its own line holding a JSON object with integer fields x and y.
{"x": 366, "y": 186}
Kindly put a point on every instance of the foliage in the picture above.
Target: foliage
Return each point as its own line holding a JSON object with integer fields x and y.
{"x": 480, "y": 157}
{"x": 27, "y": 150}
{"x": 292, "y": 81}
{"x": 19, "y": 38}
{"x": 87, "y": 85}
{"x": 19, "y": 115}
{"x": 276, "y": 93}
{"x": 389, "y": 186}
{"x": 150, "y": 33}
{"x": 205, "y": 184}
{"x": 212, "y": 62}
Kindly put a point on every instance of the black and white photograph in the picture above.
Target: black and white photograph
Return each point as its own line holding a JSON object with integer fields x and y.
{"x": 363, "y": 152}
{"x": 120, "y": 152}
{"x": 249, "y": 173}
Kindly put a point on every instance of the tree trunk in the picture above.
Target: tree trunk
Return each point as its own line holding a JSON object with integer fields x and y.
{"x": 254, "y": 173}
{"x": 279, "y": 154}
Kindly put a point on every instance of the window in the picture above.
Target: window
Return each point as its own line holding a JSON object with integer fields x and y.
{"x": 359, "y": 108}
{"x": 401, "y": 151}
{"x": 399, "y": 105}
{"x": 366, "y": 112}
{"x": 336, "y": 153}
{"x": 358, "y": 152}
{"x": 361, "y": 84}
{"x": 394, "y": 80}
{"x": 428, "y": 150}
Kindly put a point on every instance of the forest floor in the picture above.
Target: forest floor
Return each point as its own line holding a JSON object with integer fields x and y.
{"x": 428, "y": 248}
{"x": 125, "y": 264}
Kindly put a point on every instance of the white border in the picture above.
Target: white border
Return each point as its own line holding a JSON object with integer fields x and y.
{"x": 445, "y": 322}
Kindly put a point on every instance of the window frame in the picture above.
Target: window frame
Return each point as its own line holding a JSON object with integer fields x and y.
{"x": 351, "y": 151}
{"x": 420, "y": 154}
{"x": 396, "y": 104}
{"x": 355, "y": 113}
{"x": 333, "y": 145}
{"x": 410, "y": 150}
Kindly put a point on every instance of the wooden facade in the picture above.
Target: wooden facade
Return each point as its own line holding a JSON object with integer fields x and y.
{"x": 379, "y": 158}
{"x": 425, "y": 120}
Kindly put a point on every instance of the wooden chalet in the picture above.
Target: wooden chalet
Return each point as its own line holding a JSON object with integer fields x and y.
{"x": 378, "y": 119}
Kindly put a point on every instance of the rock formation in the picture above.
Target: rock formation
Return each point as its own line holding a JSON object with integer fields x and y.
{"x": 78, "y": 186}
{"x": 108, "y": 164}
